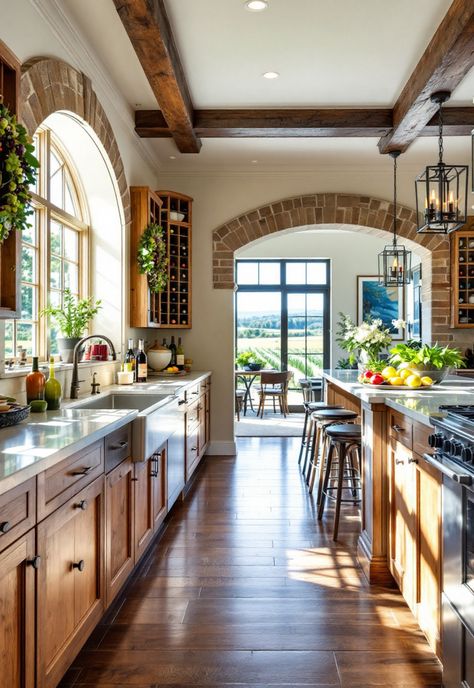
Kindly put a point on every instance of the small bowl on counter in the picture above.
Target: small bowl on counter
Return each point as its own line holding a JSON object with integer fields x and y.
{"x": 14, "y": 415}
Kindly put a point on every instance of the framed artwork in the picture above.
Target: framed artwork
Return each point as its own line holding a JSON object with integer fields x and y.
{"x": 374, "y": 300}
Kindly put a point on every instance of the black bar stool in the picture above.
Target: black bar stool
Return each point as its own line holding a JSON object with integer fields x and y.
{"x": 308, "y": 428}
{"x": 320, "y": 420}
{"x": 346, "y": 440}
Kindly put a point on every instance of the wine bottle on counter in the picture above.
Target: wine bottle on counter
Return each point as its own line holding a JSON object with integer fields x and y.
{"x": 141, "y": 365}
{"x": 172, "y": 348}
{"x": 180, "y": 355}
{"x": 52, "y": 389}
{"x": 35, "y": 382}
{"x": 130, "y": 362}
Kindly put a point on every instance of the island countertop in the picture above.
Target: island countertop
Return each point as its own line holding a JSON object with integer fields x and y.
{"x": 418, "y": 404}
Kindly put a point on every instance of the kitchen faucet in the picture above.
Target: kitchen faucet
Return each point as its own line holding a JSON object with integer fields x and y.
{"x": 75, "y": 382}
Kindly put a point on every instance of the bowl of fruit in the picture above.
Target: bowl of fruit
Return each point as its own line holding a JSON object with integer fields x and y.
{"x": 402, "y": 377}
{"x": 12, "y": 413}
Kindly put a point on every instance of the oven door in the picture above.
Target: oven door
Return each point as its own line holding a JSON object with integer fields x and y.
{"x": 458, "y": 585}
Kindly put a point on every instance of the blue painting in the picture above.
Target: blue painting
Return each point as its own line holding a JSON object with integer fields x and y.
{"x": 377, "y": 301}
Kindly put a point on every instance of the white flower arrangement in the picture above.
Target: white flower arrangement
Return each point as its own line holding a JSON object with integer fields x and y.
{"x": 370, "y": 336}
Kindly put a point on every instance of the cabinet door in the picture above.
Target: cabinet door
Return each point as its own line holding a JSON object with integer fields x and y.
{"x": 208, "y": 414}
{"x": 17, "y": 614}
{"x": 70, "y": 593}
{"x": 119, "y": 527}
{"x": 403, "y": 515}
{"x": 143, "y": 506}
{"x": 159, "y": 496}
{"x": 429, "y": 552}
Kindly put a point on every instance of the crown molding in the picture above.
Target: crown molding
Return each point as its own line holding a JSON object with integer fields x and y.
{"x": 84, "y": 57}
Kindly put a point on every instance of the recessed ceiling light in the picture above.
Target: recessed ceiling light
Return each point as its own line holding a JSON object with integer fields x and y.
{"x": 172, "y": 157}
{"x": 271, "y": 75}
{"x": 254, "y": 162}
{"x": 256, "y": 5}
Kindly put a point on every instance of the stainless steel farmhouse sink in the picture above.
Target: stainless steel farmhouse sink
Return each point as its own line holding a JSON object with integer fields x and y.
{"x": 159, "y": 416}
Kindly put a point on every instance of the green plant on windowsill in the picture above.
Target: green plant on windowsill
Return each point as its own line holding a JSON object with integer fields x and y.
{"x": 75, "y": 315}
{"x": 249, "y": 360}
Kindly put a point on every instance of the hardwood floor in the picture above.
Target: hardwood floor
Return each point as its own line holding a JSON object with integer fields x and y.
{"x": 246, "y": 588}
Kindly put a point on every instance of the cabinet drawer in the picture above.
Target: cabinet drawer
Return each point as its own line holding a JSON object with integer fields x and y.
{"x": 117, "y": 447}
{"x": 400, "y": 428}
{"x": 204, "y": 386}
{"x": 17, "y": 512}
{"x": 192, "y": 453}
{"x": 192, "y": 416}
{"x": 420, "y": 438}
{"x": 61, "y": 482}
{"x": 193, "y": 393}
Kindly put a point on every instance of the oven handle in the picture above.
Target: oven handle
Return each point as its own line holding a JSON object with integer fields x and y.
{"x": 461, "y": 478}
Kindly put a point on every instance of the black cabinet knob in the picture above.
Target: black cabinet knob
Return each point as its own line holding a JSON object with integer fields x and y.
{"x": 5, "y": 527}
{"x": 79, "y": 565}
{"x": 82, "y": 471}
{"x": 35, "y": 562}
{"x": 81, "y": 505}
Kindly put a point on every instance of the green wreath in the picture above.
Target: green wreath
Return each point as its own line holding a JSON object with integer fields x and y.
{"x": 151, "y": 257}
{"x": 18, "y": 169}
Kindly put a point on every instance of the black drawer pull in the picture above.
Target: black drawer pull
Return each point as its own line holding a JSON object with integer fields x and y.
{"x": 398, "y": 428}
{"x": 35, "y": 562}
{"x": 412, "y": 460}
{"x": 180, "y": 403}
{"x": 81, "y": 505}
{"x": 194, "y": 392}
{"x": 399, "y": 461}
{"x": 83, "y": 471}
{"x": 5, "y": 527}
{"x": 79, "y": 565}
{"x": 194, "y": 448}
{"x": 120, "y": 445}
{"x": 134, "y": 480}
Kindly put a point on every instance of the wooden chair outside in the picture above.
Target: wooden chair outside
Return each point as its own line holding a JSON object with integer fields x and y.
{"x": 274, "y": 386}
{"x": 239, "y": 401}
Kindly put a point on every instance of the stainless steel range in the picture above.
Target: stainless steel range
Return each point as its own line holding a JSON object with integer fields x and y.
{"x": 453, "y": 455}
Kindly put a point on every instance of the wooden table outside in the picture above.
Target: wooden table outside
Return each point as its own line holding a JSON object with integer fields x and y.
{"x": 248, "y": 377}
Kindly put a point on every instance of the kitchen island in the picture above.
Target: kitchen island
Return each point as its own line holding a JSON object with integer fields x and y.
{"x": 401, "y": 536}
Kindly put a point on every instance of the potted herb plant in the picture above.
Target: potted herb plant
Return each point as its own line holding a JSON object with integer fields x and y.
{"x": 72, "y": 319}
{"x": 435, "y": 361}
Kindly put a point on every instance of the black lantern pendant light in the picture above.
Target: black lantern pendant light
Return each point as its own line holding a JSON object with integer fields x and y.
{"x": 441, "y": 190}
{"x": 394, "y": 260}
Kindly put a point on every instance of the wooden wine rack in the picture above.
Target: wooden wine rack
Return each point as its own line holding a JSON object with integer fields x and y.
{"x": 170, "y": 309}
{"x": 462, "y": 275}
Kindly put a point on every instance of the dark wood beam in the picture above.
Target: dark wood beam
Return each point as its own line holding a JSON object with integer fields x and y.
{"x": 149, "y": 30}
{"x": 298, "y": 123}
{"x": 444, "y": 64}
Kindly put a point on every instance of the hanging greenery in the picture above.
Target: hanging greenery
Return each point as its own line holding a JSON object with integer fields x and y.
{"x": 18, "y": 169}
{"x": 151, "y": 257}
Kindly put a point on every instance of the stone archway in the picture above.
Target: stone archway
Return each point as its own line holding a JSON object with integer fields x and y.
{"x": 49, "y": 85}
{"x": 371, "y": 215}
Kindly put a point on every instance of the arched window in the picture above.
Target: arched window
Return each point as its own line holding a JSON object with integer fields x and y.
{"x": 54, "y": 249}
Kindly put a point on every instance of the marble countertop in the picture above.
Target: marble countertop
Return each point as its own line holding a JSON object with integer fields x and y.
{"x": 44, "y": 439}
{"x": 418, "y": 404}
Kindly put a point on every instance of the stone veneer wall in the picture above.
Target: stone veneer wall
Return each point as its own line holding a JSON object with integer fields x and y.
{"x": 372, "y": 215}
{"x": 49, "y": 85}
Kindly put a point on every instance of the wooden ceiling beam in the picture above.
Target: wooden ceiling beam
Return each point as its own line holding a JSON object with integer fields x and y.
{"x": 298, "y": 123}
{"x": 444, "y": 64}
{"x": 149, "y": 30}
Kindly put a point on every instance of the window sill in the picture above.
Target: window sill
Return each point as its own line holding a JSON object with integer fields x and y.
{"x": 58, "y": 367}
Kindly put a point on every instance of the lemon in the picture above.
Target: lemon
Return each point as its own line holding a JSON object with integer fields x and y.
{"x": 426, "y": 381}
{"x": 388, "y": 372}
{"x": 396, "y": 380}
{"x": 413, "y": 381}
{"x": 405, "y": 373}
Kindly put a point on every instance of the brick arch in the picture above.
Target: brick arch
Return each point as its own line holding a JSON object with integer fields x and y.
{"x": 361, "y": 213}
{"x": 49, "y": 85}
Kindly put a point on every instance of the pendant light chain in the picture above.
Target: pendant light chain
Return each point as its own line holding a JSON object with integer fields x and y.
{"x": 440, "y": 136}
{"x": 394, "y": 201}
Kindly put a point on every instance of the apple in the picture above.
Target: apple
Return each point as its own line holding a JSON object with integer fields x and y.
{"x": 368, "y": 374}
{"x": 376, "y": 379}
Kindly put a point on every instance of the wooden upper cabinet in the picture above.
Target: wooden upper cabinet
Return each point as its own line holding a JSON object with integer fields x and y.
{"x": 10, "y": 250}
{"x": 462, "y": 276}
{"x": 172, "y": 307}
{"x": 17, "y": 612}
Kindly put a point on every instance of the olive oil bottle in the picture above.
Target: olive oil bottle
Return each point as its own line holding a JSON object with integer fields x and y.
{"x": 52, "y": 389}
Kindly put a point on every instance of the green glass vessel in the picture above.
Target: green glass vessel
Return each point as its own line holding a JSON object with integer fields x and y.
{"x": 52, "y": 389}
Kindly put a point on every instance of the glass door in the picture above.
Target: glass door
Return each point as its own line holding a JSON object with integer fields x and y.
{"x": 306, "y": 334}
{"x": 258, "y": 326}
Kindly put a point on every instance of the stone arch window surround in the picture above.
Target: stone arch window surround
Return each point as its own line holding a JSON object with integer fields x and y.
{"x": 360, "y": 213}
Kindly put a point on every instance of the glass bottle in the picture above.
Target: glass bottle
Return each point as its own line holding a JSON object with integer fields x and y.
{"x": 35, "y": 382}
{"x": 130, "y": 362}
{"x": 172, "y": 348}
{"x": 52, "y": 389}
{"x": 180, "y": 355}
{"x": 142, "y": 366}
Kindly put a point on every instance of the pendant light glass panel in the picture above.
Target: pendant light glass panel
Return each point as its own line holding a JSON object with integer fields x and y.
{"x": 394, "y": 266}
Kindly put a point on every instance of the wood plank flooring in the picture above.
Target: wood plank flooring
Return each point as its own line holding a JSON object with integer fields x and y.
{"x": 247, "y": 589}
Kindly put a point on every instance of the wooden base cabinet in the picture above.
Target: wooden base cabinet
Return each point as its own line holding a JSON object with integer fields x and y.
{"x": 70, "y": 591}
{"x": 119, "y": 550}
{"x": 150, "y": 499}
{"x": 17, "y": 614}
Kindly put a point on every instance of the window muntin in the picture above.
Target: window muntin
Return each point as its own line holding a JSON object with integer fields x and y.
{"x": 52, "y": 249}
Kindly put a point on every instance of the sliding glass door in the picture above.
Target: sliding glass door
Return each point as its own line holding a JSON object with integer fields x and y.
{"x": 282, "y": 314}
